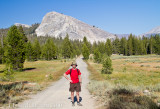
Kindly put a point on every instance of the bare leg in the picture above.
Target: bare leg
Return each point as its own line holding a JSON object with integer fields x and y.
{"x": 77, "y": 94}
{"x": 78, "y": 103}
{"x": 72, "y": 96}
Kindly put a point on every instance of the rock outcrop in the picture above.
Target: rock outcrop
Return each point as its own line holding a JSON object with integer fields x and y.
{"x": 55, "y": 24}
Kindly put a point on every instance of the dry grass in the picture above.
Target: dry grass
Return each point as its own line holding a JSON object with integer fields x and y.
{"x": 37, "y": 76}
{"x": 136, "y": 70}
{"x": 131, "y": 74}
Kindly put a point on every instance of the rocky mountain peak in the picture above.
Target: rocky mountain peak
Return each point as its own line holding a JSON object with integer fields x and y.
{"x": 56, "y": 24}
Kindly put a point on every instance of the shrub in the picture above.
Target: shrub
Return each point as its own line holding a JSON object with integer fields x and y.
{"x": 124, "y": 69}
{"x": 97, "y": 56}
{"x": 50, "y": 77}
{"x": 8, "y": 74}
{"x": 107, "y": 66}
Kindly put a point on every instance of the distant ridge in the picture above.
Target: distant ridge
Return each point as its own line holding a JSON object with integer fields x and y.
{"x": 23, "y": 25}
{"x": 153, "y": 31}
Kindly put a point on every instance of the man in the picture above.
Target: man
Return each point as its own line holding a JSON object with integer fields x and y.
{"x": 75, "y": 82}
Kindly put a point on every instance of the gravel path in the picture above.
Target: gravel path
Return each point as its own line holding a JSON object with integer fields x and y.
{"x": 57, "y": 96}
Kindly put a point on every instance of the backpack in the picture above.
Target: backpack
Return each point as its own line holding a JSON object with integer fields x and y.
{"x": 71, "y": 71}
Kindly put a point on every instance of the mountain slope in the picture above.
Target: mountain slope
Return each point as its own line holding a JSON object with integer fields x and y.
{"x": 153, "y": 31}
{"x": 23, "y": 25}
{"x": 56, "y": 24}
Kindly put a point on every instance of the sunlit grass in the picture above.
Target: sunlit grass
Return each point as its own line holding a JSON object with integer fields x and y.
{"x": 39, "y": 70}
{"x": 136, "y": 70}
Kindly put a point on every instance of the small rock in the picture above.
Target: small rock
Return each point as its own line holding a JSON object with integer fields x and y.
{"x": 146, "y": 92}
{"x": 158, "y": 104}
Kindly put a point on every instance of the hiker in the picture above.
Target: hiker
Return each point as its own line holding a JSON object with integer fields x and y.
{"x": 75, "y": 82}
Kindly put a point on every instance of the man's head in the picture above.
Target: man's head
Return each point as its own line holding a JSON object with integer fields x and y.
{"x": 74, "y": 64}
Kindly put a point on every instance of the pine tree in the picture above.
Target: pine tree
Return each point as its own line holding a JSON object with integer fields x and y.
{"x": 94, "y": 46}
{"x": 130, "y": 45}
{"x": 85, "y": 52}
{"x": 49, "y": 50}
{"x": 23, "y": 34}
{"x": 157, "y": 44}
{"x": 88, "y": 44}
{"x": 29, "y": 52}
{"x": 76, "y": 50}
{"x": 67, "y": 49}
{"x": 36, "y": 50}
{"x": 141, "y": 47}
{"x": 108, "y": 47}
{"x": 101, "y": 47}
{"x": 135, "y": 45}
{"x": 145, "y": 43}
{"x": 152, "y": 43}
{"x": 123, "y": 47}
{"x": 1, "y": 53}
{"x": 107, "y": 66}
{"x": 116, "y": 46}
{"x": 15, "y": 48}
{"x": 97, "y": 56}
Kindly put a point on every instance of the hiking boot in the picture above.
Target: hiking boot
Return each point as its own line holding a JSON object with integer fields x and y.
{"x": 79, "y": 104}
{"x": 73, "y": 104}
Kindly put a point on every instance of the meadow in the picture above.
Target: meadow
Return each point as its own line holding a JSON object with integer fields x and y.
{"x": 132, "y": 77}
{"x": 35, "y": 77}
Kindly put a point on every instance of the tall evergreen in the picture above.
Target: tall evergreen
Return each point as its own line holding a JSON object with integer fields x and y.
{"x": 85, "y": 52}
{"x": 101, "y": 47}
{"x": 141, "y": 46}
{"x": 94, "y": 46}
{"x": 123, "y": 47}
{"x": 67, "y": 49}
{"x": 1, "y": 53}
{"x": 97, "y": 56}
{"x": 116, "y": 46}
{"x": 29, "y": 52}
{"x": 36, "y": 50}
{"x": 49, "y": 50}
{"x": 130, "y": 45}
{"x": 146, "y": 43}
{"x": 23, "y": 33}
{"x": 157, "y": 44}
{"x": 15, "y": 48}
{"x": 108, "y": 47}
{"x": 76, "y": 50}
{"x": 87, "y": 43}
{"x": 151, "y": 45}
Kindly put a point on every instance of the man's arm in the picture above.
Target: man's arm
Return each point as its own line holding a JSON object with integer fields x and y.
{"x": 67, "y": 77}
{"x": 80, "y": 79}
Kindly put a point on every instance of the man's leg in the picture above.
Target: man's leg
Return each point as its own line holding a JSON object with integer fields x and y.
{"x": 78, "y": 103}
{"x": 78, "y": 89}
{"x": 72, "y": 96}
{"x": 77, "y": 95}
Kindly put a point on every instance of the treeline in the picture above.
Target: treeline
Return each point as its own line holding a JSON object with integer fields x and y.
{"x": 15, "y": 48}
{"x": 131, "y": 46}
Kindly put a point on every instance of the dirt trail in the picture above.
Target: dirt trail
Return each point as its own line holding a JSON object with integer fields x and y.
{"x": 57, "y": 96}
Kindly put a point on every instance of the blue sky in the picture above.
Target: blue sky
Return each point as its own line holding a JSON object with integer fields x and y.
{"x": 115, "y": 16}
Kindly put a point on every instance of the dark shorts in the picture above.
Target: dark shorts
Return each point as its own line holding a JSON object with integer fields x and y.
{"x": 75, "y": 87}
